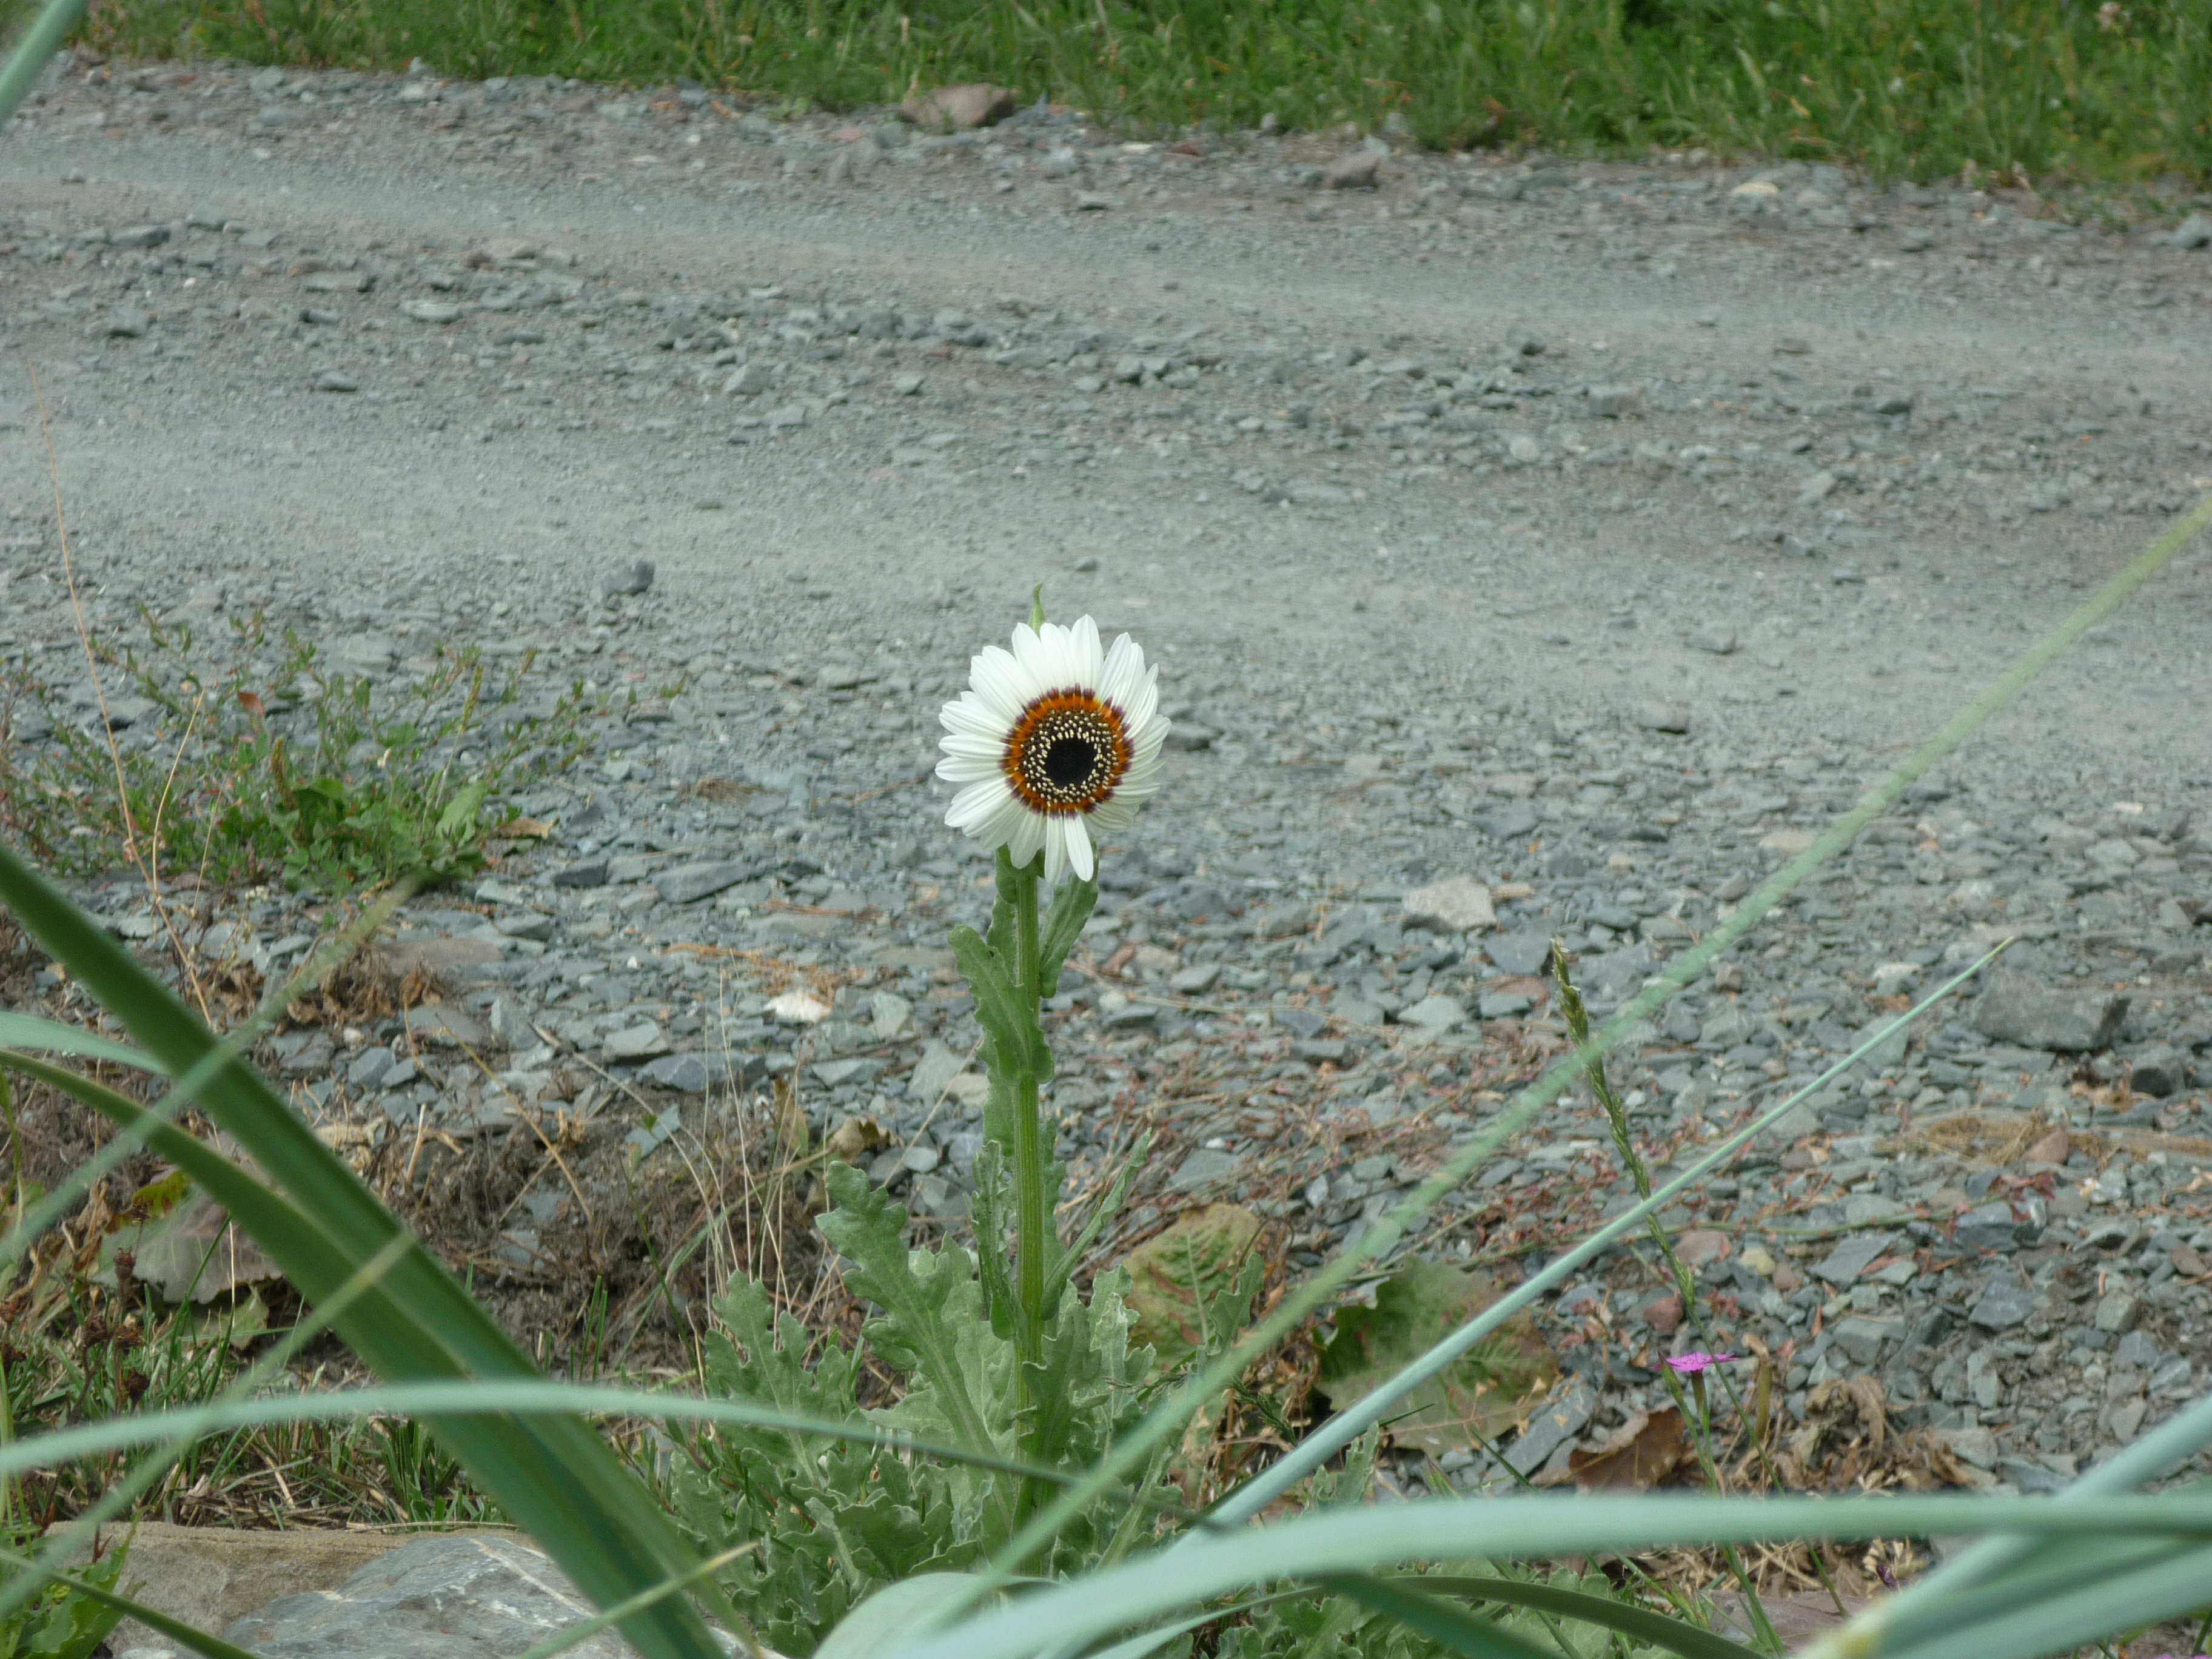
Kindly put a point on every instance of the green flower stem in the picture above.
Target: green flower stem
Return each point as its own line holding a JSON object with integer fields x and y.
{"x": 1032, "y": 1205}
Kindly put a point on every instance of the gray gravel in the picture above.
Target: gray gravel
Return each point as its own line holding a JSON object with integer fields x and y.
{"x": 1588, "y": 533}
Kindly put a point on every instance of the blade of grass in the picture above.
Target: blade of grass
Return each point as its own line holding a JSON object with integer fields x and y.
{"x": 51, "y": 1037}
{"x": 1452, "y": 1628}
{"x": 462, "y": 1398}
{"x": 1676, "y": 1635}
{"x": 1363, "y": 1538}
{"x": 1346, "y": 1427}
{"x": 35, "y": 51}
{"x": 550, "y": 1472}
{"x": 187, "y": 1084}
{"x": 1167, "y": 1418}
{"x": 2176, "y": 1582}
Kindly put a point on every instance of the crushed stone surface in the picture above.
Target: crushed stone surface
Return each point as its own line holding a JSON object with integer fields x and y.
{"x": 1591, "y": 532}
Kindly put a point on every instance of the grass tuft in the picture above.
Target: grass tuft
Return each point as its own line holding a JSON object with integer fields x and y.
{"x": 262, "y": 762}
{"x": 1918, "y": 87}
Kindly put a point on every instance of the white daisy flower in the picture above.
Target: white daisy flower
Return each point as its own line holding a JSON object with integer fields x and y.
{"x": 1052, "y": 743}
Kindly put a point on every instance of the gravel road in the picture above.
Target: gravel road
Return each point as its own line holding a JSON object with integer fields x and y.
{"x": 1589, "y": 530}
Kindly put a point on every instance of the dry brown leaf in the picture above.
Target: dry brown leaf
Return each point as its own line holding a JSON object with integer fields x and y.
{"x": 1640, "y": 1454}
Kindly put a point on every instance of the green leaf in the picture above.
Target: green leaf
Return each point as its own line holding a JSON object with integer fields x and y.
{"x": 869, "y": 1230}
{"x": 459, "y": 821}
{"x": 1000, "y": 1008}
{"x": 48, "y": 1037}
{"x": 1178, "y": 1277}
{"x": 552, "y": 1474}
{"x": 894, "y": 1613}
{"x": 1480, "y": 1395}
{"x": 93, "y": 1609}
{"x": 1072, "y": 905}
{"x": 1450, "y": 1627}
{"x": 1675, "y": 1635}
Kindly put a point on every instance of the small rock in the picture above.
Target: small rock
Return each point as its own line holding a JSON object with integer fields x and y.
{"x": 635, "y": 577}
{"x": 1612, "y": 402}
{"x": 685, "y": 1073}
{"x": 2118, "y": 1311}
{"x": 1195, "y": 980}
{"x": 1356, "y": 169}
{"x": 129, "y": 322}
{"x": 1503, "y": 1004}
{"x": 933, "y": 1072}
{"x": 1435, "y": 1013}
{"x": 687, "y": 883}
{"x": 591, "y": 872}
{"x": 1852, "y": 1257}
{"x": 2014, "y": 1010}
{"x": 431, "y": 311}
{"x": 889, "y": 1015}
{"x": 1978, "y": 1446}
{"x": 1702, "y": 1245}
{"x": 444, "y": 1026}
{"x": 1668, "y": 717}
{"x": 1204, "y": 1168}
{"x": 1562, "y": 1417}
{"x": 331, "y": 379}
{"x": 639, "y": 1041}
{"x": 952, "y": 109}
{"x": 2159, "y": 1071}
{"x": 368, "y": 1068}
{"x": 1720, "y": 641}
{"x": 1522, "y": 953}
{"x": 139, "y": 236}
{"x": 2006, "y": 1301}
{"x": 2194, "y": 232}
{"x": 1456, "y": 904}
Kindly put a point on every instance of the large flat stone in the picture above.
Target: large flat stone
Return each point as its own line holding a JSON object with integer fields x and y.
{"x": 436, "y": 1598}
{"x": 210, "y": 1576}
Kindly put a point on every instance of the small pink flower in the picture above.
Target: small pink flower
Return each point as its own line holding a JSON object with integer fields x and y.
{"x": 1689, "y": 1365}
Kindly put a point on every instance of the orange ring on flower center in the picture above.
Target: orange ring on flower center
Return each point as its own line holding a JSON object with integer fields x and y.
{"x": 1066, "y": 753}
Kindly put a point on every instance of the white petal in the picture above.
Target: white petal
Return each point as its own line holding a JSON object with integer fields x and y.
{"x": 960, "y": 743}
{"x": 1028, "y": 837}
{"x": 1112, "y": 816}
{"x": 1036, "y": 657}
{"x": 1078, "y": 848}
{"x": 998, "y": 680}
{"x": 966, "y": 768}
{"x": 976, "y": 803}
{"x": 1090, "y": 659}
{"x": 1055, "y": 851}
{"x": 1119, "y": 677}
{"x": 969, "y": 713}
{"x": 1144, "y": 704}
{"x": 1004, "y": 824}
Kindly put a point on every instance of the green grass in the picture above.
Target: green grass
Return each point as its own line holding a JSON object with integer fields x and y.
{"x": 266, "y": 763}
{"x": 1922, "y": 88}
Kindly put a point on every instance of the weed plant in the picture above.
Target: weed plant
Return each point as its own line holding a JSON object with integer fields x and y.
{"x": 1923, "y": 87}
{"x": 266, "y": 764}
